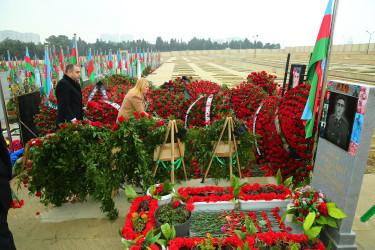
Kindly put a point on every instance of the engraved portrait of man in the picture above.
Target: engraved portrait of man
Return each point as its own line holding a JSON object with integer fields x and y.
{"x": 337, "y": 129}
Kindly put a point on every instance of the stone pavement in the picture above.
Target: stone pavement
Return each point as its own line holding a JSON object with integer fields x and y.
{"x": 83, "y": 226}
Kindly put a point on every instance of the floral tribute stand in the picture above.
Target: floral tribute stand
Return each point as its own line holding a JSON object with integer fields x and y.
{"x": 228, "y": 149}
{"x": 168, "y": 152}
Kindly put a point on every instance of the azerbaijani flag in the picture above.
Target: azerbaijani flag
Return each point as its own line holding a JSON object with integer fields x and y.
{"x": 91, "y": 69}
{"x": 119, "y": 60}
{"x": 67, "y": 55}
{"x": 54, "y": 63}
{"x": 315, "y": 71}
{"x": 11, "y": 72}
{"x": 61, "y": 60}
{"x": 73, "y": 57}
{"x": 29, "y": 67}
{"x": 47, "y": 76}
{"x": 110, "y": 63}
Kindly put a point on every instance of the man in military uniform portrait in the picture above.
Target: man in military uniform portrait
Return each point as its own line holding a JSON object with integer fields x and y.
{"x": 337, "y": 130}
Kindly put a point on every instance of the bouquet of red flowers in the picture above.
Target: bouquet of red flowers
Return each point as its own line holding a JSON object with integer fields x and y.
{"x": 245, "y": 99}
{"x": 265, "y": 81}
{"x": 306, "y": 201}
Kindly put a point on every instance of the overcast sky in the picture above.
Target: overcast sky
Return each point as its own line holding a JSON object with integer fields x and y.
{"x": 288, "y": 22}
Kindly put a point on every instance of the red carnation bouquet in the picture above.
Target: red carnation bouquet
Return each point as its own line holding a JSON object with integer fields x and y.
{"x": 45, "y": 121}
{"x": 265, "y": 81}
{"x": 245, "y": 99}
{"x": 293, "y": 154}
{"x": 200, "y": 92}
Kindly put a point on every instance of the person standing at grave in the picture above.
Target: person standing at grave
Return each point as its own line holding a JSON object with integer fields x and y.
{"x": 337, "y": 130}
{"x": 69, "y": 96}
{"x": 6, "y": 237}
{"x": 135, "y": 99}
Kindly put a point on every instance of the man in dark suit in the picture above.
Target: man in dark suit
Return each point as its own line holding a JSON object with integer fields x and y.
{"x": 6, "y": 237}
{"x": 337, "y": 130}
{"x": 69, "y": 96}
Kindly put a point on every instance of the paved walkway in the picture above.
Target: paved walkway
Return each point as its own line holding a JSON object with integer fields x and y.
{"x": 83, "y": 226}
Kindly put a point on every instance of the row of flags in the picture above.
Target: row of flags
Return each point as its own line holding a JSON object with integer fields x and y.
{"x": 96, "y": 64}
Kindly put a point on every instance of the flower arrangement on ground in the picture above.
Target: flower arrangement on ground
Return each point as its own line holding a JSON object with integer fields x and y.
{"x": 45, "y": 121}
{"x": 245, "y": 99}
{"x": 266, "y": 192}
{"x": 205, "y": 243}
{"x": 311, "y": 208}
{"x": 174, "y": 213}
{"x": 165, "y": 103}
{"x": 162, "y": 189}
{"x": 206, "y": 194}
{"x": 149, "y": 241}
{"x": 265, "y": 81}
{"x": 261, "y": 123}
{"x": 296, "y": 161}
{"x": 140, "y": 219}
{"x": 282, "y": 241}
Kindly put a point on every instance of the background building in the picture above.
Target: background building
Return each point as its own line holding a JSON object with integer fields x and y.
{"x": 23, "y": 37}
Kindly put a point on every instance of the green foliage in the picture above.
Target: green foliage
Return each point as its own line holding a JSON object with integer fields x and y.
{"x": 151, "y": 238}
{"x": 200, "y": 144}
{"x": 168, "y": 231}
{"x": 17, "y": 48}
{"x": 130, "y": 194}
{"x": 81, "y": 160}
{"x": 167, "y": 213}
{"x": 279, "y": 179}
{"x": 11, "y": 105}
{"x": 250, "y": 229}
{"x": 236, "y": 185}
{"x": 311, "y": 232}
{"x": 335, "y": 212}
{"x": 163, "y": 189}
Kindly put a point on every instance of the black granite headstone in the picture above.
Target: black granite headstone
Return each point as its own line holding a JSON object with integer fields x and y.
{"x": 28, "y": 107}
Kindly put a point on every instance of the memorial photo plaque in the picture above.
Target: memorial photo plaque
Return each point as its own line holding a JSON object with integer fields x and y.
{"x": 297, "y": 72}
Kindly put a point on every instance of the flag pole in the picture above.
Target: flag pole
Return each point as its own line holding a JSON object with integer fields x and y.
{"x": 326, "y": 66}
{"x": 77, "y": 54}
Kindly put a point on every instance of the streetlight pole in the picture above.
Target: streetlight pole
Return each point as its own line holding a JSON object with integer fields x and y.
{"x": 369, "y": 40}
{"x": 255, "y": 45}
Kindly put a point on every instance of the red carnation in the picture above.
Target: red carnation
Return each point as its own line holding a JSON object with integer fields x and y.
{"x": 323, "y": 209}
{"x": 121, "y": 119}
{"x": 176, "y": 204}
{"x": 190, "y": 207}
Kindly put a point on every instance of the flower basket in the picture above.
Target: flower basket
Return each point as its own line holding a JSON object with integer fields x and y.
{"x": 208, "y": 198}
{"x": 181, "y": 229}
{"x": 260, "y": 197}
{"x": 164, "y": 198}
{"x": 207, "y": 194}
{"x": 128, "y": 230}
